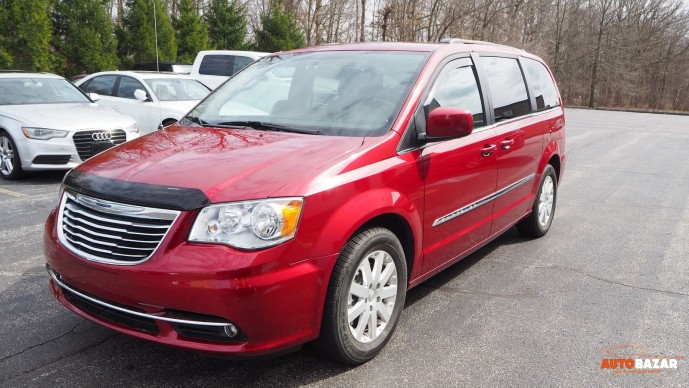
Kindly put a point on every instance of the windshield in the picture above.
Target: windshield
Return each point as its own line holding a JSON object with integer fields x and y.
{"x": 172, "y": 89}
{"x": 344, "y": 93}
{"x": 24, "y": 91}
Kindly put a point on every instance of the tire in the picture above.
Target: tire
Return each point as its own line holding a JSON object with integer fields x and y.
{"x": 351, "y": 289}
{"x": 10, "y": 164}
{"x": 538, "y": 222}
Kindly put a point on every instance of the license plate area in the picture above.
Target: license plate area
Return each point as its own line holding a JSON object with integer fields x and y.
{"x": 100, "y": 147}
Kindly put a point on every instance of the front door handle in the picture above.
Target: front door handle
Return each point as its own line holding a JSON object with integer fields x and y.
{"x": 488, "y": 150}
{"x": 507, "y": 144}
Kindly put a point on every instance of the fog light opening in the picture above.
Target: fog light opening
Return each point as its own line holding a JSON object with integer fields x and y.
{"x": 231, "y": 330}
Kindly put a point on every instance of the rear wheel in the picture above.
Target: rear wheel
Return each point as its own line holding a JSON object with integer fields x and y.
{"x": 365, "y": 297}
{"x": 538, "y": 222}
{"x": 10, "y": 165}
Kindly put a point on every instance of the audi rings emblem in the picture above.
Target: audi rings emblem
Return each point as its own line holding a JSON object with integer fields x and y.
{"x": 101, "y": 136}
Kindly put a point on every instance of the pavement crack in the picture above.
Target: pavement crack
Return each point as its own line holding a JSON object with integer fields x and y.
{"x": 456, "y": 290}
{"x": 71, "y": 331}
{"x": 610, "y": 281}
{"x": 82, "y": 351}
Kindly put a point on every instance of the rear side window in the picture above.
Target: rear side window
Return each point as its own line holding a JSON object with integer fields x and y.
{"x": 217, "y": 65}
{"x": 102, "y": 85}
{"x": 456, "y": 87}
{"x": 542, "y": 84}
{"x": 224, "y": 65}
{"x": 507, "y": 87}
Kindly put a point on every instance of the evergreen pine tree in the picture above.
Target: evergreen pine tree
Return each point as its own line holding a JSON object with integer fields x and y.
{"x": 5, "y": 57}
{"x": 226, "y": 21}
{"x": 83, "y": 36}
{"x": 191, "y": 32}
{"x": 137, "y": 37}
{"x": 279, "y": 30}
{"x": 25, "y": 35}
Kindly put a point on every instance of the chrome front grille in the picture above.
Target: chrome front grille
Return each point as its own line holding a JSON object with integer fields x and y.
{"x": 89, "y": 143}
{"x": 111, "y": 232}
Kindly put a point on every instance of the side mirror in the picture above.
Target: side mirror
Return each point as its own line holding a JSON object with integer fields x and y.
{"x": 446, "y": 123}
{"x": 141, "y": 95}
{"x": 94, "y": 97}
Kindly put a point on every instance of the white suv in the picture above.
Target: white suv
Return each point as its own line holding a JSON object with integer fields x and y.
{"x": 46, "y": 123}
{"x": 213, "y": 67}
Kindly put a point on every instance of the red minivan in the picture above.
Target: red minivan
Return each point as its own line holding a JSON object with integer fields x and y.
{"x": 303, "y": 198}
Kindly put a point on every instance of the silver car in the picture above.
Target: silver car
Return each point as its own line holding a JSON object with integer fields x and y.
{"x": 46, "y": 123}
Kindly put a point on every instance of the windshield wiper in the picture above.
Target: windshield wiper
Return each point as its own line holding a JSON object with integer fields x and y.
{"x": 262, "y": 125}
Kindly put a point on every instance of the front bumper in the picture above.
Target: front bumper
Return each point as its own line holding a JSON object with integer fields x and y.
{"x": 64, "y": 147}
{"x": 186, "y": 295}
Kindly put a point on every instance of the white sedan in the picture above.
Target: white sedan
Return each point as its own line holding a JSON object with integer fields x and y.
{"x": 152, "y": 99}
{"x": 46, "y": 123}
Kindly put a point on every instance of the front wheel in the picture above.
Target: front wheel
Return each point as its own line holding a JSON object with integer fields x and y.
{"x": 10, "y": 164}
{"x": 538, "y": 222}
{"x": 365, "y": 297}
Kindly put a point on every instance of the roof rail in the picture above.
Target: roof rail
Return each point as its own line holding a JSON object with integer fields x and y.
{"x": 467, "y": 41}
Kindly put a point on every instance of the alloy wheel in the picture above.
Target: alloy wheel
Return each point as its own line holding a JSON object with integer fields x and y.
{"x": 6, "y": 156}
{"x": 545, "y": 205}
{"x": 372, "y": 296}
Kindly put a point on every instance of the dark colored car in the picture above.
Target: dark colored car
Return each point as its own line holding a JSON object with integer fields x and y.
{"x": 303, "y": 198}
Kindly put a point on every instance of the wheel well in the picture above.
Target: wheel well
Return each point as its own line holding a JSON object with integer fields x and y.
{"x": 555, "y": 162}
{"x": 168, "y": 121}
{"x": 399, "y": 226}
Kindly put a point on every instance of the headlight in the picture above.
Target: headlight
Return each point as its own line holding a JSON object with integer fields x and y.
{"x": 43, "y": 133}
{"x": 249, "y": 224}
{"x": 132, "y": 129}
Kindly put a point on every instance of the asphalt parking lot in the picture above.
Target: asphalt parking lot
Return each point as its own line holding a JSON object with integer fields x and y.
{"x": 612, "y": 275}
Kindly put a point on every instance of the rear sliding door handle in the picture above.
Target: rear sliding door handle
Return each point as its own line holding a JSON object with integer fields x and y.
{"x": 488, "y": 150}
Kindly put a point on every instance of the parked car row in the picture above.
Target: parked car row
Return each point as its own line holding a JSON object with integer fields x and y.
{"x": 46, "y": 123}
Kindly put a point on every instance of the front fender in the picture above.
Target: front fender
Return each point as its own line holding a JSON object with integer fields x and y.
{"x": 355, "y": 212}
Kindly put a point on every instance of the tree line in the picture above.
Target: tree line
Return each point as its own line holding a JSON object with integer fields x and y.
{"x": 623, "y": 53}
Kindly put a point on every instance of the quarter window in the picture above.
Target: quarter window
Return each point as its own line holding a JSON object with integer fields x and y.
{"x": 456, "y": 87}
{"x": 102, "y": 85}
{"x": 541, "y": 84}
{"x": 507, "y": 87}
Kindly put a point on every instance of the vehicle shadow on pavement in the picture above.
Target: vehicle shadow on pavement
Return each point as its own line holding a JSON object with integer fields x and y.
{"x": 439, "y": 280}
{"x": 60, "y": 346}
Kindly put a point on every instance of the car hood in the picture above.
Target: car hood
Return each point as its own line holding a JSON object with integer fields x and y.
{"x": 69, "y": 117}
{"x": 226, "y": 164}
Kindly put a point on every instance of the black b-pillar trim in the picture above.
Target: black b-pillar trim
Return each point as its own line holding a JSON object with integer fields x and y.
{"x": 143, "y": 194}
